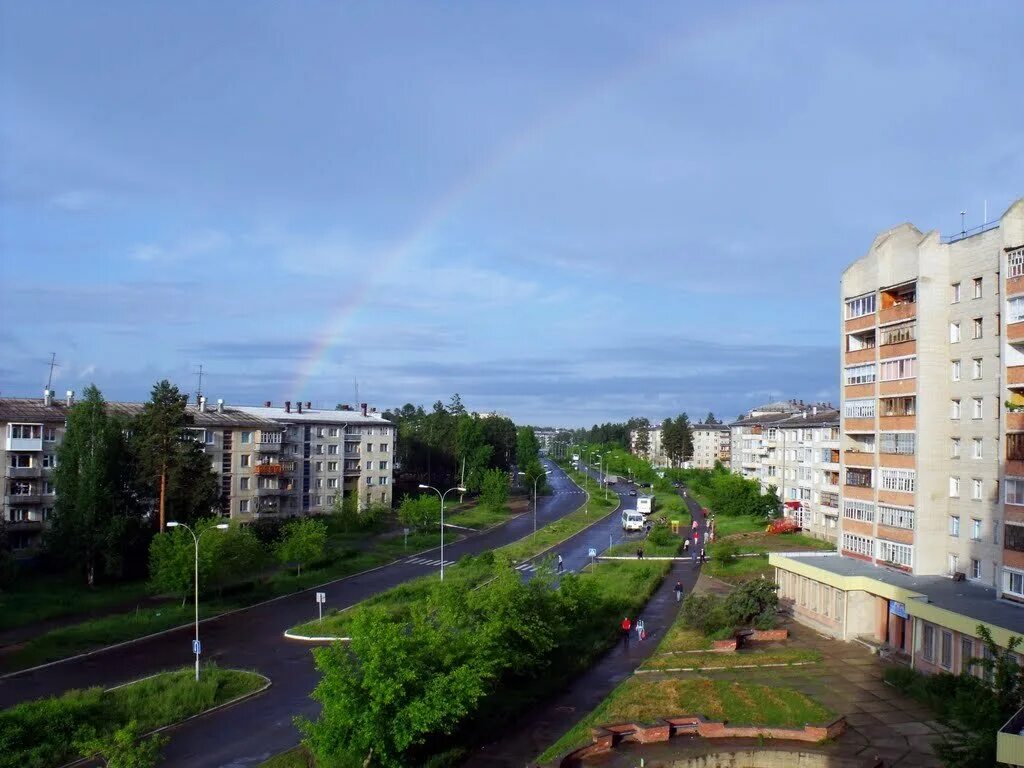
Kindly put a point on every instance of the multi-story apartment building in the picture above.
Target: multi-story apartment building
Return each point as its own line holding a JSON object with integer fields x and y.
{"x": 654, "y": 453}
{"x": 932, "y": 467}
{"x": 711, "y": 443}
{"x": 807, "y": 462}
{"x": 750, "y": 437}
{"x": 269, "y": 460}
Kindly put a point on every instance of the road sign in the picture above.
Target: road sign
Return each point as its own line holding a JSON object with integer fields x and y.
{"x": 321, "y": 597}
{"x": 591, "y": 552}
{"x": 197, "y": 647}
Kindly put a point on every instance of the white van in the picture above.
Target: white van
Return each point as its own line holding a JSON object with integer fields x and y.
{"x": 632, "y": 520}
{"x": 645, "y": 505}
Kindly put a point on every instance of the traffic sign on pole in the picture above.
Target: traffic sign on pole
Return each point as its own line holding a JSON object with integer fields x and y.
{"x": 321, "y": 598}
{"x": 197, "y": 647}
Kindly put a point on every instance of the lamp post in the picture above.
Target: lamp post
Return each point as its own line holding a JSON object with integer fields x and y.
{"x": 195, "y": 540}
{"x": 535, "y": 481}
{"x": 458, "y": 488}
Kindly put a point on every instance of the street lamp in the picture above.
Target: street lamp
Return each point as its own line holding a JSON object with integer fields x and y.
{"x": 535, "y": 481}
{"x": 458, "y": 488}
{"x": 195, "y": 539}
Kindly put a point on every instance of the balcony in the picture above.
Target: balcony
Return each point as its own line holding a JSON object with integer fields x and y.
{"x": 261, "y": 492}
{"x": 267, "y": 469}
{"x": 268, "y": 446}
{"x": 1015, "y": 332}
{"x": 22, "y": 499}
{"x": 899, "y": 303}
{"x": 858, "y": 458}
{"x": 1010, "y": 741}
{"x": 18, "y": 473}
{"x": 855, "y": 356}
{"x": 1015, "y": 376}
{"x": 1015, "y": 421}
{"x": 25, "y": 443}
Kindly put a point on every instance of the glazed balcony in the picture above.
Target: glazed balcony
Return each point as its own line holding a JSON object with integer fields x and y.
{"x": 1015, "y": 420}
{"x": 23, "y": 499}
{"x": 1015, "y": 333}
{"x": 1015, "y": 376}
{"x": 18, "y": 473}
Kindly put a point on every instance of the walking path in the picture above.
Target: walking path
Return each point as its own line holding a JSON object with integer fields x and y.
{"x": 550, "y": 719}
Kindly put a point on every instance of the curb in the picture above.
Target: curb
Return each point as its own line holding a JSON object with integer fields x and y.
{"x": 308, "y": 639}
{"x": 724, "y": 669}
{"x": 169, "y": 726}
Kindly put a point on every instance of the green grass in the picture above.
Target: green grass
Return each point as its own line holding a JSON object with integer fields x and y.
{"x": 293, "y": 758}
{"x": 642, "y": 700}
{"x": 483, "y": 517}
{"x": 732, "y": 660}
{"x": 41, "y": 733}
{"x": 727, "y": 526}
{"x": 39, "y": 598}
{"x": 749, "y": 537}
{"x": 681, "y": 638}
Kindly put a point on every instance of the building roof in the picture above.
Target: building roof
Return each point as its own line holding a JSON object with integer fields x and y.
{"x": 827, "y": 417}
{"x": 712, "y": 427}
{"x": 313, "y": 415}
{"x": 33, "y": 409}
{"x": 769, "y": 418}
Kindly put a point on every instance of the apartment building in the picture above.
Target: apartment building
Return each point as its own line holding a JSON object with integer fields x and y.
{"x": 932, "y": 497}
{"x": 711, "y": 443}
{"x": 269, "y": 461}
{"x": 654, "y": 453}
{"x": 808, "y": 469}
{"x": 750, "y": 437}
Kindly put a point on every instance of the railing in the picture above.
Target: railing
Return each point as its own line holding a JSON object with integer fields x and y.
{"x": 1010, "y": 741}
{"x": 267, "y": 469}
{"x": 963, "y": 234}
{"x": 24, "y": 472}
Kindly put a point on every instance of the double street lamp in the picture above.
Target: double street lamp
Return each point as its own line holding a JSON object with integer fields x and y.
{"x": 458, "y": 488}
{"x": 195, "y": 539}
{"x": 535, "y": 481}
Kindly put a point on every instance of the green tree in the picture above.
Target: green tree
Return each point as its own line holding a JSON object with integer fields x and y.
{"x": 473, "y": 451}
{"x": 124, "y": 748}
{"x": 92, "y": 487}
{"x": 172, "y": 554}
{"x": 237, "y": 553}
{"x": 494, "y": 492}
{"x": 643, "y": 442}
{"x": 302, "y": 542}
{"x": 421, "y": 512}
{"x": 527, "y": 447}
{"x": 710, "y": 419}
{"x": 677, "y": 438}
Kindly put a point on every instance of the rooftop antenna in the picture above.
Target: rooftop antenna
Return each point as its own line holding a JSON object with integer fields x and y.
{"x": 984, "y": 219}
{"x": 199, "y": 386}
{"x": 53, "y": 364}
{"x": 963, "y": 230}
{"x": 355, "y": 383}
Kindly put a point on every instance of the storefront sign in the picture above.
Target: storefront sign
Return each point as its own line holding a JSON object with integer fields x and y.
{"x": 898, "y": 609}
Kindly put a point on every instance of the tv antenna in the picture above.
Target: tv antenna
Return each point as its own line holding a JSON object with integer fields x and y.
{"x": 355, "y": 383}
{"x": 963, "y": 227}
{"x": 53, "y": 364}
{"x": 199, "y": 386}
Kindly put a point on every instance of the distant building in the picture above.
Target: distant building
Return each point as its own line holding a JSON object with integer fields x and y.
{"x": 711, "y": 444}
{"x": 654, "y": 453}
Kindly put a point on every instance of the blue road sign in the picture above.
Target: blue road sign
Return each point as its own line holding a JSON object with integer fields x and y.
{"x": 197, "y": 647}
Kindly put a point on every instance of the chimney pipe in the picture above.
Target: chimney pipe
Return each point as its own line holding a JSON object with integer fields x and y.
{"x": 202, "y": 403}
{"x": 362, "y": 407}
{"x": 309, "y": 406}
{"x": 47, "y": 397}
{"x": 69, "y": 397}
{"x": 287, "y": 406}
{"x": 220, "y": 405}
{"x": 299, "y": 406}
{"x": 814, "y": 410}
{"x": 266, "y": 403}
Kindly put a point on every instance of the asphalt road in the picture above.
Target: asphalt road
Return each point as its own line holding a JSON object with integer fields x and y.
{"x": 251, "y": 731}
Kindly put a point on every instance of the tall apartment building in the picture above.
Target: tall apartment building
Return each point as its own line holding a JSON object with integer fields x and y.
{"x": 270, "y": 461}
{"x": 932, "y": 461}
{"x": 749, "y": 436}
{"x": 711, "y": 443}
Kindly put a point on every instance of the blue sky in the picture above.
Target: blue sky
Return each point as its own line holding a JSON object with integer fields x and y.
{"x": 568, "y": 212}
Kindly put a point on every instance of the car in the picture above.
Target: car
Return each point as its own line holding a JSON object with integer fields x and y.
{"x": 632, "y": 491}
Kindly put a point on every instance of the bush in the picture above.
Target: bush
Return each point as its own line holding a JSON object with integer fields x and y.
{"x": 753, "y": 602}
{"x": 662, "y": 536}
{"x": 707, "y": 614}
{"x": 421, "y": 512}
{"x": 726, "y": 552}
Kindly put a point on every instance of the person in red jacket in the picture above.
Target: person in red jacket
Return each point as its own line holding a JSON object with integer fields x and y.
{"x": 626, "y": 626}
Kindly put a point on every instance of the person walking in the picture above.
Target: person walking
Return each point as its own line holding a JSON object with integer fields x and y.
{"x": 561, "y": 567}
{"x": 679, "y": 591}
{"x": 626, "y": 627}
{"x": 703, "y": 555}
{"x": 639, "y": 553}
{"x": 641, "y": 631}
{"x": 686, "y": 544}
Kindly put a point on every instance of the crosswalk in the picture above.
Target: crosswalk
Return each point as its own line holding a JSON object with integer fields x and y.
{"x": 526, "y": 567}
{"x": 427, "y": 561}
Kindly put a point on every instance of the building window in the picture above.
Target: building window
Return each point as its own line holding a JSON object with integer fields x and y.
{"x": 896, "y": 517}
{"x": 332, "y": 432}
{"x": 1013, "y": 582}
{"x": 246, "y": 438}
{"x": 976, "y": 368}
{"x": 859, "y": 409}
{"x": 898, "y": 442}
{"x": 369, "y": 480}
{"x": 49, "y": 434}
{"x": 860, "y": 374}
{"x": 1015, "y": 263}
{"x": 928, "y": 642}
{"x": 859, "y": 477}
{"x": 900, "y": 368}
{"x": 1015, "y": 309}
{"x": 899, "y": 333}
{"x": 383, "y": 480}
{"x": 1014, "y": 491}
{"x": 332, "y": 466}
{"x": 243, "y": 505}
{"x": 383, "y": 465}
{"x": 318, "y": 483}
{"x": 954, "y": 333}
{"x": 977, "y": 287}
{"x": 954, "y": 447}
{"x": 976, "y": 328}
{"x": 383, "y": 447}
{"x": 863, "y": 511}
{"x": 967, "y": 645}
{"x": 899, "y": 406}
{"x": 954, "y": 520}
{"x": 319, "y": 449}
{"x": 243, "y": 483}
{"x": 975, "y": 529}
{"x": 976, "y": 447}
{"x": 954, "y": 370}
{"x": 955, "y": 293}
{"x": 318, "y": 466}
{"x": 976, "y": 489}
{"x": 244, "y": 460}
{"x": 21, "y": 460}
{"x": 860, "y": 306}
{"x": 946, "y": 650}
{"x": 858, "y": 545}
{"x": 954, "y": 408}
{"x": 1014, "y": 537}
{"x": 954, "y": 487}
{"x": 904, "y": 480}
{"x": 369, "y": 465}
{"x": 977, "y": 409}
{"x": 897, "y": 554}
{"x": 319, "y": 431}
{"x": 369, "y": 447}
{"x": 332, "y": 450}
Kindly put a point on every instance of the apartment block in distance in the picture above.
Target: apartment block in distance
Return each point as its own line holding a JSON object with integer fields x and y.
{"x": 932, "y": 463}
{"x": 655, "y": 453}
{"x": 711, "y": 443}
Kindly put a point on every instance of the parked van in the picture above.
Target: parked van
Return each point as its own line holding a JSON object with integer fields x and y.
{"x": 632, "y": 520}
{"x": 645, "y": 505}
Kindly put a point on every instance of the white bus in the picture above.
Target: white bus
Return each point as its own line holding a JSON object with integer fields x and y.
{"x": 645, "y": 504}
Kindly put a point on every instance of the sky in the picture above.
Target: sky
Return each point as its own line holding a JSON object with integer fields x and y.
{"x": 569, "y": 212}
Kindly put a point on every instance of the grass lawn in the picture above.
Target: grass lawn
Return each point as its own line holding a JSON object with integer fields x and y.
{"x": 484, "y": 517}
{"x": 741, "y": 531}
{"x": 681, "y": 638}
{"x": 732, "y": 660}
{"x": 35, "y": 598}
{"x": 293, "y": 758}
{"x": 41, "y": 733}
{"x": 643, "y": 700}
{"x": 727, "y": 526}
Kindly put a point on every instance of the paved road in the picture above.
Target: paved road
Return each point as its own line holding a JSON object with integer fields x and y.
{"x": 252, "y": 639}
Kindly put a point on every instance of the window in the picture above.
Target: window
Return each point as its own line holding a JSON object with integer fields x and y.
{"x": 946, "y": 650}
{"x": 954, "y": 370}
{"x": 928, "y": 642}
{"x": 863, "y": 511}
{"x": 25, "y": 431}
{"x": 48, "y": 489}
{"x": 1015, "y": 309}
{"x": 318, "y": 466}
{"x": 977, "y": 287}
{"x": 1014, "y": 491}
{"x": 332, "y": 450}
{"x": 369, "y": 465}
{"x": 955, "y": 293}
{"x": 976, "y": 447}
{"x": 954, "y": 525}
{"x": 976, "y": 368}
{"x": 383, "y": 447}
{"x": 243, "y": 483}
{"x": 976, "y": 328}
{"x": 898, "y": 442}
{"x": 20, "y": 460}
{"x": 904, "y": 480}
{"x": 244, "y": 460}
{"x": 954, "y": 486}
{"x": 858, "y": 545}
{"x": 858, "y": 477}
{"x": 954, "y": 409}
{"x": 332, "y": 466}
{"x": 383, "y": 480}
{"x": 382, "y": 465}
{"x": 1013, "y": 582}
{"x": 896, "y": 517}
{"x": 954, "y": 447}
{"x": 954, "y": 563}
{"x": 332, "y": 432}
{"x": 369, "y": 447}
{"x": 243, "y": 505}
{"x": 49, "y": 460}
{"x": 966, "y": 651}
{"x": 898, "y": 406}
{"x": 898, "y": 554}
{"x": 976, "y": 489}
{"x": 319, "y": 449}
{"x": 977, "y": 408}
{"x": 49, "y": 434}
{"x": 860, "y": 374}
{"x": 860, "y": 306}
{"x": 975, "y": 528}
{"x": 900, "y": 368}
{"x": 954, "y": 333}
{"x": 1014, "y": 537}
{"x": 246, "y": 438}
{"x": 318, "y": 483}
{"x": 369, "y": 480}
{"x": 319, "y": 431}
{"x": 897, "y": 334}
{"x": 1015, "y": 263}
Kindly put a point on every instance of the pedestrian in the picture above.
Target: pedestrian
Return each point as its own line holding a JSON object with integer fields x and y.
{"x": 641, "y": 632}
{"x": 679, "y": 591}
{"x": 639, "y": 553}
{"x": 693, "y": 525}
{"x": 703, "y": 555}
{"x": 648, "y": 530}
{"x": 626, "y": 627}
{"x": 560, "y": 566}
{"x": 686, "y": 544}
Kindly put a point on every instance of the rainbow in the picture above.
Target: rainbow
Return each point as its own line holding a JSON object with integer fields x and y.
{"x": 443, "y": 206}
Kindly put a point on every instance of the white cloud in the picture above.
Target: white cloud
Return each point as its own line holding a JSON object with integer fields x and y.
{"x": 199, "y": 243}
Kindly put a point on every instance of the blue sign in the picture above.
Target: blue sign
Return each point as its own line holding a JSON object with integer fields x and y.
{"x": 898, "y": 609}
{"x": 197, "y": 647}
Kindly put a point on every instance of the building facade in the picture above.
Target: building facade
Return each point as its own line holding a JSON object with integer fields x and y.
{"x": 269, "y": 461}
{"x": 654, "y": 453}
{"x": 750, "y": 437}
{"x": 711, "y": 443}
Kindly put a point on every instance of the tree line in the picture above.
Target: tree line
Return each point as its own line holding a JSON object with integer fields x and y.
{"x": 676, "y": 435}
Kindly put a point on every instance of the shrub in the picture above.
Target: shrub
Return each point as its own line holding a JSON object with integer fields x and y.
{"x": 753, "y": 602}
{"x": 706, "y": 614}
{"x": 662, "y": 536}
{"x": 726, "y": 552}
